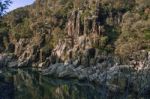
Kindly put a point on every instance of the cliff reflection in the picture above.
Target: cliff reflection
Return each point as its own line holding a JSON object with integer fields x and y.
{"x": 28, "y": 84}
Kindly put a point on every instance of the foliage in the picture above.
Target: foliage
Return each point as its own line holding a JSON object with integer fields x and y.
{"x": 147, "y": 34}
{"x": 58, "y": 35}
{"x": 4, "y": 5}
{"x": 24, "y": 30}
{"x": 125, "y": 23}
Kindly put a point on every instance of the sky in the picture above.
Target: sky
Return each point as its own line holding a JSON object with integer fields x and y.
{"x": 19, "y": 3}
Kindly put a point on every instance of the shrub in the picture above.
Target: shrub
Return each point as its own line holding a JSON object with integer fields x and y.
{"x": 147, "y": 34}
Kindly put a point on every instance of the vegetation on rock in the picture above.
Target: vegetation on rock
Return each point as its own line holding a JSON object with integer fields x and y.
{"x": 119, "y": 27}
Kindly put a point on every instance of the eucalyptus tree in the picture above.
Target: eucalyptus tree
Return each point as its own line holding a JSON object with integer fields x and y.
{"x": 4, "y": 5}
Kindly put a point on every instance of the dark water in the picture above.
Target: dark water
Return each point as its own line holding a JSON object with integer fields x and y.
{"x": 29, "y": 84}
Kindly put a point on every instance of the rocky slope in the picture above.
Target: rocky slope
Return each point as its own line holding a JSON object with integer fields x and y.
{"x": 77, "y": 31}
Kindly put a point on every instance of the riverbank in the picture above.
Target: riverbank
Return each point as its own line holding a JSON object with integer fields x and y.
{"x": 115, "y": 78}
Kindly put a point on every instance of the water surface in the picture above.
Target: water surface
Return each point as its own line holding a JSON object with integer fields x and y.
{"x": 29, "y": 84}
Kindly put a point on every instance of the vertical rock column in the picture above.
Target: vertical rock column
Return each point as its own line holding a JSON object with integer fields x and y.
{"x": 41, "y": 55}
{"x": 85, "y": 26}
{"x": 71, "y": 26}
{"x": 78, "y": 24}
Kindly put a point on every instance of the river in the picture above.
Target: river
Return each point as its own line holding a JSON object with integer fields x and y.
{"x": 30, "y": 84}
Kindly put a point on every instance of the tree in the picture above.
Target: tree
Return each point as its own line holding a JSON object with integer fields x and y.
{"x": 4, "y": 5}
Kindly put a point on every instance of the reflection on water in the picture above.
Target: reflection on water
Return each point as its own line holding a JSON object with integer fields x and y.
{"x": 28, "y": 84}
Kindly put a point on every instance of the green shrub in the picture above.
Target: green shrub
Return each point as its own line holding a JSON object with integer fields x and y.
{"x": 22, "y": 30}
{"x": 147, "y": 34}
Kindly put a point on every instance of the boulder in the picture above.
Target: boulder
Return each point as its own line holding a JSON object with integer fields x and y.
{"x": 60, "y": 70}
{"x": 67, "y": 62}
{"x": 68, "y": 72}
{"x": 41, "y": 65}
{"x": 13, "y": 64}
{"x": 51, "y": 70}
{"x": 25, "y": 63}
{"x": 76, "y": 63}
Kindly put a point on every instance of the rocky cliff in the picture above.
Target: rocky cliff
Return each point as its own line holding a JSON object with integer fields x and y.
{"x": 80, "y": 32}
{"x": 84, "y": 32}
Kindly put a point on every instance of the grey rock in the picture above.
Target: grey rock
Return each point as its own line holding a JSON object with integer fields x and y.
{"x": 76, "y": 63}
{"x": 69, "y": 72}
{"x": 5, "y": 59}
{"x": 25, "y": 63}
{"x": 51, "y": 70}
{"x": 41, "y": 65}
{"x": 13, "y": 64}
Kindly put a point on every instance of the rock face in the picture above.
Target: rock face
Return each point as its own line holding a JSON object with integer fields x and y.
{"x": 29, "y": 52}
{"x": 78, "y": 32}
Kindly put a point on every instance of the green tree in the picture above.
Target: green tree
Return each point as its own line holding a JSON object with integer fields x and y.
{"x": 4, "y": 5}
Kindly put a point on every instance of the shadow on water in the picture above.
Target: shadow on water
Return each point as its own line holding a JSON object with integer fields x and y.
{"x": 6, "y": 88}
{"x": 29, "y": 84}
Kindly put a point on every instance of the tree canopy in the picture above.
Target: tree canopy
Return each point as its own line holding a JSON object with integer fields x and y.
{"x": 4, "y": 5}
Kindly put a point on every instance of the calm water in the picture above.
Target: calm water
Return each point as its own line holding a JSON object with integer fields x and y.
{"x": 29, "y": 84}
